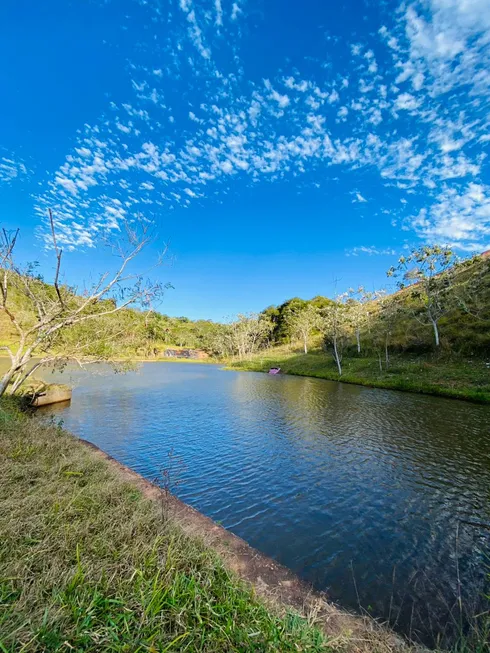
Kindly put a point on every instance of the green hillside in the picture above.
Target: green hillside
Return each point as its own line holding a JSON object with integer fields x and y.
{"x": 135, "y": 333}
{"x": 397, "y": 344}
{"x": 385, "y": 340}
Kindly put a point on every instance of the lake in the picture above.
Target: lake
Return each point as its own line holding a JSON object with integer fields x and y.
{"x": 380, "y": 498}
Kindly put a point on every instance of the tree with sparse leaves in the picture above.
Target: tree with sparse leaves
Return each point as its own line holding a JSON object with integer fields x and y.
{"x": 429, "y": 272}
{"x": 360, "y": 304}
{"x": 247, "y": 333}
{"x": 54, "y": 322}
{"x": 302, "y": 323}
{"x": 334, "y": 325}
{"x": 389, "y": 313}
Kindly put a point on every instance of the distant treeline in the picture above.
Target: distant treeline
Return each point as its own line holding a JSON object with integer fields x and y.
{"x": 441, "y": 305}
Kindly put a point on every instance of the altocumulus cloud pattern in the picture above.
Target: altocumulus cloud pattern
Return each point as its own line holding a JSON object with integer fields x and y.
{"x": 406, "y": 102}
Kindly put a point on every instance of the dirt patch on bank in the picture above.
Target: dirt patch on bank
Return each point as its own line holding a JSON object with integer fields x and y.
{"x": 272, "y": 582}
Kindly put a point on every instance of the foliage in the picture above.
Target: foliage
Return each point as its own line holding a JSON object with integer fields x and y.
{"x": 283, "y": 316}
{"x": 429, "y": 272}
{"x": 302, "y": 323}
{"x": 55, "y": 322}
{"x": 374, "y": 324}
{"x": 398, "y": 349}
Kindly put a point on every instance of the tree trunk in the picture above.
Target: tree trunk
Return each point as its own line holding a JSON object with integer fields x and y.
{"x": 337, "y": 357}
{"x": 6, "y": 379}
{"x": 358, "y": 338}
{"x": 380, "y": 362}
{"x": 15, "y": 367}
{"x": 436, "y": 332}
{"x": 22, "y": 378}
{"x": 4, "y": 382}
{"x": 387, "y": 356}
{"x": 305, "y": 340}
{"x": 19, "y": 362}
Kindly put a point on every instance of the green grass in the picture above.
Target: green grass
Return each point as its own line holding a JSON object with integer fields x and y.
{"x": 463, "y": 378}
{"x": 86, "y": 563}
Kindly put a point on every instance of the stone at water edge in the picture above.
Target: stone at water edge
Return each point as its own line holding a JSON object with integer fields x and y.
{"x": 44, "y": 394}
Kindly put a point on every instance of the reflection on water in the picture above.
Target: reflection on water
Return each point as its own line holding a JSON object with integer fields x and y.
{"x": 350, "y": 487}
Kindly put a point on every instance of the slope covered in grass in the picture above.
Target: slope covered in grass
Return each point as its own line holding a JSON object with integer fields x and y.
{"x": 461, "y": 378}
{"x": 397, "y": 341}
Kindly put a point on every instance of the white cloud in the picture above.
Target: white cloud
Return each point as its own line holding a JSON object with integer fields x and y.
{"x": 67, "y": 184}
{"x": 282, "y": 100}
{"x": 342, "y": 113}
{"x": 235, "y": 11}
{"x": 11, "y": 169}
{"x": 371, "y": 251}
{"x": 123, "y": 128}
{"x": 459, "y": 218}
{"x": 392, "y": 117}
{"x": 358, "y": 198}
{"x": 406, "y": 102}
{"x": 219, "y": 12}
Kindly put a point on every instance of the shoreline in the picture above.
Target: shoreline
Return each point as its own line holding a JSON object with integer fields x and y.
{"x": 270, "y": 580}
{"x": 262, "y": 365}
{"x": 75, "y": 485}
{"x": 430, "y": 391}
{"x": 205, "y": 361}
{"x": 400, "y": 384}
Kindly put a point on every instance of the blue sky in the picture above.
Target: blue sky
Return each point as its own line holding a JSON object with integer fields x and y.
{"x": 279, "y": 147}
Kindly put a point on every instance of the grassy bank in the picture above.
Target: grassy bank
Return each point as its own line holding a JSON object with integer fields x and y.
{"x": 87, "y": 564}
{"x": 459, "y": 378}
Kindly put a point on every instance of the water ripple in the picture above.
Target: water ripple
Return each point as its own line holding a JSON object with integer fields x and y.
{"x": 369, "y": 494}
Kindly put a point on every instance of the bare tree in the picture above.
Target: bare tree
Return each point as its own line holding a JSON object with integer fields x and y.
{"x": 428, "y": 271}
{"x": 54, "y": 322}
{"x": 334, "y": 326}
{"x": 302, "y": 323}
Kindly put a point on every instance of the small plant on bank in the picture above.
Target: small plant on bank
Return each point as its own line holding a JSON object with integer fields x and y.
{"x": 169, "y": 480}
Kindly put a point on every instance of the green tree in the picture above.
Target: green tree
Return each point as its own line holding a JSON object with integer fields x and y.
{"x": 286, "y": 310}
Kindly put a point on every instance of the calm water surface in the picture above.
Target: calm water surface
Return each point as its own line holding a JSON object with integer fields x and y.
{"x": 375, "y": 496}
